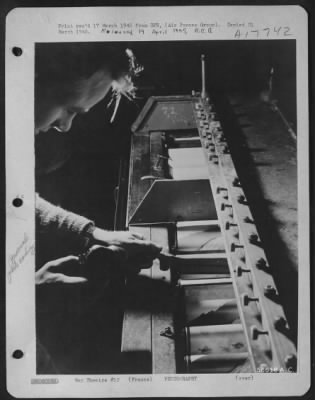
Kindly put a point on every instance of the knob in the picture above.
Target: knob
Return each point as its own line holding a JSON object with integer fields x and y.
{"x": 270, "y": 291}
{"x": 280, "y": 323}
{"x": 234, "y": 246}
{"x": 240, "y": 270}
{"x": 241, "y": 199}
{"x": 224, "y": 206}
{"x": 246, "y": 299}
{"x": 253, "y": 238}
{"x": 255, "y": 332}
{"x": 225, "y": 149}
{"x": 217, "y": 128}
{"x": 236, "y": 182}
{"x": 213, "y": 158}
{"x": 220, "y": 189}
{"x": 229, "y": 224}
{"x": 261, "y": 263}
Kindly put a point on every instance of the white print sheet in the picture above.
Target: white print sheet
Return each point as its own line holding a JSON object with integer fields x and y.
{"x": 187, "y": 163}
{"x": 27, "y": 26}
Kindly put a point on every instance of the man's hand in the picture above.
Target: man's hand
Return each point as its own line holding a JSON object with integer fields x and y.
{"x": 49, "y": 273}
{"x": 137, "y": 249}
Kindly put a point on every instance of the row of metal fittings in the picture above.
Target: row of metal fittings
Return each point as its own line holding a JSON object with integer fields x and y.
{"x": 210, "y": 130}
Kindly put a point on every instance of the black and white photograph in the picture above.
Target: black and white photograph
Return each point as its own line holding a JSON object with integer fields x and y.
{"x": 168, "y": 179}
{"x": 97, "y": 291}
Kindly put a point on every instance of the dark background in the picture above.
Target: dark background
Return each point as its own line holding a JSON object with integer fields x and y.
{"x": 92, "y": 149}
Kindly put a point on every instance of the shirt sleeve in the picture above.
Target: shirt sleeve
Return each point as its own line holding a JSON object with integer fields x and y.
{"x": 64, "y": 225}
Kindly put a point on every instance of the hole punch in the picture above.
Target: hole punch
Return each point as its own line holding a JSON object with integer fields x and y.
{"x": 17, "y": 202}
{"x": 17, "y": 51}
{"x": 17, "y": 354}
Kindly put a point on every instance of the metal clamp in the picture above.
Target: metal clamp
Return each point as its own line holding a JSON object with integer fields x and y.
{"x": 240, "y": 270}
{"x": 225, "y": 205}
{"x": 255, "y": 332}
{"x": 234, "y": 246}
{"x": 228, "y": 225}
{"x": 158, "y": 161}
{"x": 168, "y": 332}
{"x": 246, "y": 299}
